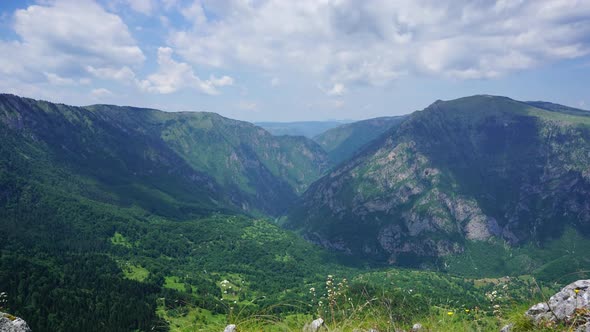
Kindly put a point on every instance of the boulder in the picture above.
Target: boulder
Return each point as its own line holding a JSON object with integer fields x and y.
{"x": 9, "y": 323}
{"x": 572, "y": 300}
{"x": 314, "y": 326}
{"x": 230, "y": 328}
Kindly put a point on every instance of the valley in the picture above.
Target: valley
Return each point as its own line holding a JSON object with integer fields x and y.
{"x": 123, "y": 219}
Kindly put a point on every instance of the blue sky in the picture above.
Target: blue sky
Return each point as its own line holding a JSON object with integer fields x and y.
{"x": 282, "y": 60}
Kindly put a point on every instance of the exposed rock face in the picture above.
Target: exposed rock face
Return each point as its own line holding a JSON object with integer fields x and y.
{"x": 9, "y": 323}
{"x": 572, "y": 300}
{"x": 471, "y": 169}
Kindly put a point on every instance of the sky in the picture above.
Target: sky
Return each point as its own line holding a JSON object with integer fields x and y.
{"x": 284, "y": 60}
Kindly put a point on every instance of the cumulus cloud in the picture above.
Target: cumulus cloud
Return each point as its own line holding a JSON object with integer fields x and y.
{"x": 376, "y": 41}
{"x": 64, "y": 38}
{"x": 123, "y": 74}
{"x": 173, "y": 76}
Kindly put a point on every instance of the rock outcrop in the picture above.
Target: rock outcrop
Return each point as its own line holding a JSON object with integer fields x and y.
{"x": 314, "y": 326}
{"x": 230, "y": 328}
{"x": 571, "y": 305}
{"x": 9, "y": 323}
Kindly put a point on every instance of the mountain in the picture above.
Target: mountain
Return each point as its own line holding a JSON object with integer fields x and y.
{"x": 308, "y": 129}
{"x": 344, "y": 141}
{"x": 479, "y": 169}
{"x": 133, "y": 155}
{"x": 113, "y": 217}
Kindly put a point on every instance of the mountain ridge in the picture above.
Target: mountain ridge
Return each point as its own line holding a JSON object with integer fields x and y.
{"x": 451, "y": 166}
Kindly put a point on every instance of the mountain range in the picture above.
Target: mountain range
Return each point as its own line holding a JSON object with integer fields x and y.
{"x": 136, "y": 205}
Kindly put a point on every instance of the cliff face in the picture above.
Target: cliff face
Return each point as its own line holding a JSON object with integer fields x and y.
{"x": 470, "y": 169}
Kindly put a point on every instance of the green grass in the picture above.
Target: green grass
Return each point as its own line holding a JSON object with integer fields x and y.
{"x": 119, "y": 240}
{"x": 134, "y": 272}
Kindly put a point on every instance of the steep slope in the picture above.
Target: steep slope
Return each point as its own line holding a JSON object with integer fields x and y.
{"x": 344, "y": 141}
{"x": 104, "y": 215}
{"x": 470, "y": 169}
{"x": 199, "y": 159}
{"x": 308, "y": 129}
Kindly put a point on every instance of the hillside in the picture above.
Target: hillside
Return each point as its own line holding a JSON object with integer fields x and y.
{"x": 200, "y": 159}
{"x": 105, "y": 210}
{"x": 480, "y": 169}
{"x": 342, "y": 142}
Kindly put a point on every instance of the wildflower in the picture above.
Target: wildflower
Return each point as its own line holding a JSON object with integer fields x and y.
{"x": 467, "y": 310}
{"x": 450, "y": 313}
{"x": 577, "y": 290}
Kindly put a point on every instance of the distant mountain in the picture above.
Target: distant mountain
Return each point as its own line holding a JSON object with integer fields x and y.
{"x": 308, "y": 129}
{"x": 344, "y": 141}
{"x": 475, "y": 169}
{"x": 194, "y": 161}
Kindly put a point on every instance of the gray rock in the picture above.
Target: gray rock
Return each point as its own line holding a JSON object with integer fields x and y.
{"x": 583, "y": 328}
{"x": 507, "y": 328}
{"x": 417, "y": 327}
{"x": 9, "y": 323}
{"x": 230, "y": 328}
{"x": 562, "y": 305}
{"x": 314, "y": 326}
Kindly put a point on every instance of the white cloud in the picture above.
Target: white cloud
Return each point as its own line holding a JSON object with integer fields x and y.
{"x": 64, "y": 37}
{"x": 222, "y": 81}
{"x": 101, "y": 92}
{"x": 55, "y": 79}
{"x": 337, "y": 90}
{"x": 275, "y": 81}
{"x": 123, "y": 74}
{"x": 142, "y": 6}
{"x": 378, "y": 41}
{"x": 173, "y": 76}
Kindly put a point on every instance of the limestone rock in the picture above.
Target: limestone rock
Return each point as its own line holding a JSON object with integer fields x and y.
{"x": 417, "y": 327}
{"x": 314, "y": 326}
{"x": 562, "y": 306}
{"x": 9, "y": 323}
{"x": 230, "y": 328}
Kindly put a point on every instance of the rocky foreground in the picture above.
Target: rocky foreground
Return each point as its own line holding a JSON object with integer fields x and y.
{"x": 570, "y": 306}
{"x": 568, "y": 309}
